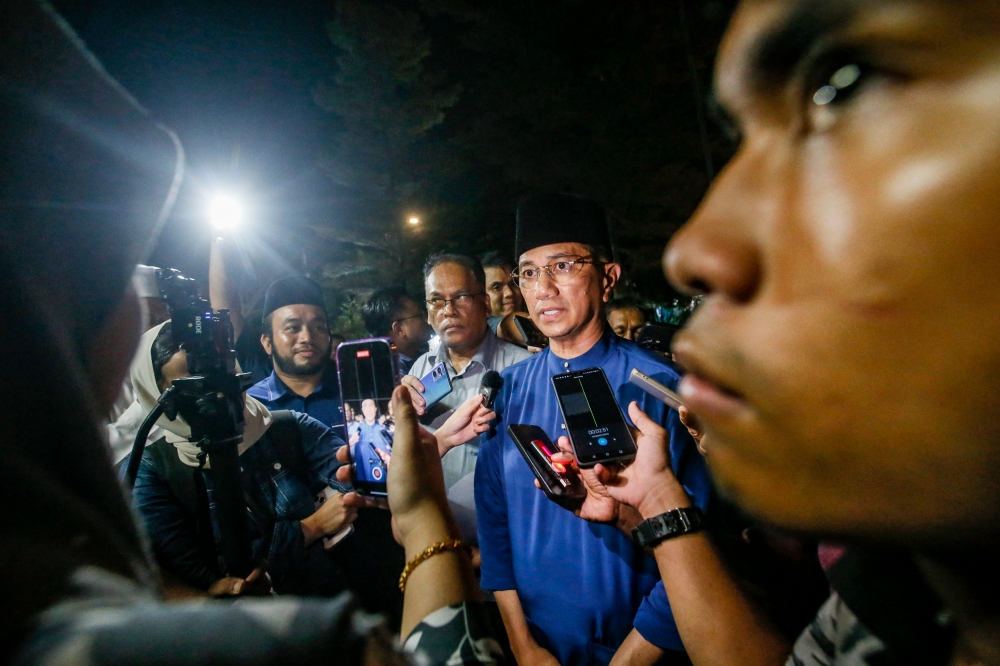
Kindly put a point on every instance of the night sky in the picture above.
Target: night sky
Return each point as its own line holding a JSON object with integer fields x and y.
{"x": 568, "y": 95}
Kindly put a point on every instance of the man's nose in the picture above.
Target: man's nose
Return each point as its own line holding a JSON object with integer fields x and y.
{"x": 717, "y": 252}
{"x": 545, "y": 286}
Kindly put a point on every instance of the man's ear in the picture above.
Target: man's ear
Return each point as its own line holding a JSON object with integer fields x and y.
{"x": 265, "y": 342}
{"x": 612, "y": 273}
{"x": 396, "y": 329}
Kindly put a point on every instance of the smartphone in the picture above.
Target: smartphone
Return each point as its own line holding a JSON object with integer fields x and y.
{"x": 657, "y": 337}
{"x": 536, "y": 448}
{"x": 531, "y": 334}
{"x": 437, "y": 384}
{"x": 368, "y": 371}
{"x": 655, "y": 389}
{"x": 332, "y": 540}
{"x": 594, "y": 421}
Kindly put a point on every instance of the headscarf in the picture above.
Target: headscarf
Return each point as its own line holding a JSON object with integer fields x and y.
{"x": 88, "y": 179}
{"x": 258, "y": 419}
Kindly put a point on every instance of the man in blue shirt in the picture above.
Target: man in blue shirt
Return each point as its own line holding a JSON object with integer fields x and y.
{"x": 372, "y": 443}
{"x": 571, "y": 590}
{"x": 296, "y": 336}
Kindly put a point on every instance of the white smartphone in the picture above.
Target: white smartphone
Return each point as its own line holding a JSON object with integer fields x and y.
{"x": 332, "y": 540}
{"x": 655, "y": 389}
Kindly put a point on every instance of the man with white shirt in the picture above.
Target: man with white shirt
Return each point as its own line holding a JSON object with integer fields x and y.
{"x": 457, "y": 309}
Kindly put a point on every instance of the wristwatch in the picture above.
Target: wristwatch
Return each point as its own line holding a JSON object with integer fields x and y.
{"x": 668, "y": 525}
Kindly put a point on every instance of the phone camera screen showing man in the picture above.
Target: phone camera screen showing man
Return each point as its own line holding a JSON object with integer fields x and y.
{"x": 368, "y": 372}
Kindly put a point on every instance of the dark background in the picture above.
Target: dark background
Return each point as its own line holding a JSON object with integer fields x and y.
{"x": 335, "y": 121}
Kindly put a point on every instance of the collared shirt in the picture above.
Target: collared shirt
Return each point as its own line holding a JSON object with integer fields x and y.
{"x": 544, "y": 552}
{"x": 323, "y": 404}
{"x": 370, "y": 435}
{"x": 493, "y": 354}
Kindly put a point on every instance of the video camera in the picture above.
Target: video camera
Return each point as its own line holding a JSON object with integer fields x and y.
{"x": 210, "y": 400}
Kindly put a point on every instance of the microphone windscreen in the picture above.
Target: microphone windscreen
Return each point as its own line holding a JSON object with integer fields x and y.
{"x": 492, "y": 379}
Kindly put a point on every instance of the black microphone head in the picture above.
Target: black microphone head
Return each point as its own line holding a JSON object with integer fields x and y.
{"x": 490, "y": 387}
{"x": 493, "y": 380}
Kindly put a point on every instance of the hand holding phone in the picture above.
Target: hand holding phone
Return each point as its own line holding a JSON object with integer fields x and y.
{"x": 594, "y": 421}
{"x": 655, "y": 389}
{"x": 436, "y": 383}
{"x": 537, "y": 449}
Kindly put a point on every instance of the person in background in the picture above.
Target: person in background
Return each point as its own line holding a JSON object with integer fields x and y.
{"x": 626, "y": 317}
{"x": 505, "y": 296}
{"x": 392, "y": 313}
{"x": 458, "y": 306}
{"x": 538, "y": 575}
{"x": 78, "y": 584}
{"x": 296, "y": 335}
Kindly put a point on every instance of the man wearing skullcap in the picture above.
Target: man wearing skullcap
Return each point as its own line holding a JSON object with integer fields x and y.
{"x": 566, "y": 274}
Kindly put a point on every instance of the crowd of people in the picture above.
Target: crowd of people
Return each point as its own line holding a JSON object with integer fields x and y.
{"x": 824, "y": 495}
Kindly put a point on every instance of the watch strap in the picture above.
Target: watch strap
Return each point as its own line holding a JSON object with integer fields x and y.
{"x": 667, "y": 525}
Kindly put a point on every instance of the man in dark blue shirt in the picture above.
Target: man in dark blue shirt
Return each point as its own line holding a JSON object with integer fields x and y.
{"x": 571, "y": 590}
{"x": 296, "y": 336}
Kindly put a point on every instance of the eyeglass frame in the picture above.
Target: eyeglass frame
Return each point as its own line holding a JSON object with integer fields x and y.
{"x": 419, "y": 314}
{"x": 583, "y": 261}
{"x": 454, "y": 301}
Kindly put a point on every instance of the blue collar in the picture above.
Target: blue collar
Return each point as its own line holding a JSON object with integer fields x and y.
{"x": 599, "y": 355}
{"x": 277, "y": 389}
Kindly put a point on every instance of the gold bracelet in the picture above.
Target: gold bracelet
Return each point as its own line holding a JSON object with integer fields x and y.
{"x": 430, "y": 551}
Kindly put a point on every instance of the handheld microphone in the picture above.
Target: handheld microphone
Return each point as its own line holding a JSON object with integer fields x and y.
{"x": 490, "y": 387}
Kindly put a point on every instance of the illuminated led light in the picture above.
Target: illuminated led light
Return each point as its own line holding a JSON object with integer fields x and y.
{"x": 225, "y": 212}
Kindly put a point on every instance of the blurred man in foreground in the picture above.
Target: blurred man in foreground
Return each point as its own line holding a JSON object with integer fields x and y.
{"x": 843, "y": 364}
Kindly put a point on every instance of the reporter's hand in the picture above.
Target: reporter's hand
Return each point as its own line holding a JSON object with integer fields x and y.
{"x": 536, "y": 655}
{"x": 331, "y": 517}
{"x": 415, "y": 481}
{"x": 468, "y": 421}
{"x": 597, "y": 505}
{"x": 693, "y": 426}
{"x": 648, "y": 483}
{"x": 416, "y": 390}
{"x": 353, "y": 499}
{"x": 256, "y": 584}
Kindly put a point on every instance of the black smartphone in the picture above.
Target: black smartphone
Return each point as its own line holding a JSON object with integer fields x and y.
{"x": 531, "y": 334}
{"x": 594, "y": 421}
{"x": 536, "y": 448}
{"x": 657, "y": 337}
{"x": 368, "y": 374}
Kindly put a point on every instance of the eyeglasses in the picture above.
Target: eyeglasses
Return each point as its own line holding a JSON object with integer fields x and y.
{"x": 418, "y": 315}
{"x": 561, "y": 272}
{"x": 460, "y": 301}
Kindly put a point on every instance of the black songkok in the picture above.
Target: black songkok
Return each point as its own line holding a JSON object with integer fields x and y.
{"x": 545, "y": 219}
{"x": 294, "y": 290}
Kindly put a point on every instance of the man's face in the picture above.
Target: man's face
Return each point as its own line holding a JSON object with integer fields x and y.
{"x": 300, "y": 340}
{"x": 369, "y": 409}
{"x": 410, "y": 331}
{"x": 561, "y": 311}
{"x": 846, "y": 363}
{"x": 460, "y": 326}
{"x": 504, "y": 295}
{"x": 348, "y": 413}
{"x": 626, "y": 322}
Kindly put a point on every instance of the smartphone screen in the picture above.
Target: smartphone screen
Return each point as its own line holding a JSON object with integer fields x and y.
{"x": 367, "y": 372}
{"x": 594, "y": 421}
{"x": 531, "y": 333}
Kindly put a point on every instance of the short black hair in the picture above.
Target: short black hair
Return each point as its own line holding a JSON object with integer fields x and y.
{"x": 626, "y": 302}
{"x": 163, "y": 349}
{"x": 471, "y": 264}
{"x": 382, "y": 309}
{"x": 496, "y": 259}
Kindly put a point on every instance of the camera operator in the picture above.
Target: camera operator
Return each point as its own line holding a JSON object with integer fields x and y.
{"x": 283, "y": 473}
{"x": 566, "y": 275}
{"x": 78, "y": 586}
{"x": 391, "y": 313}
